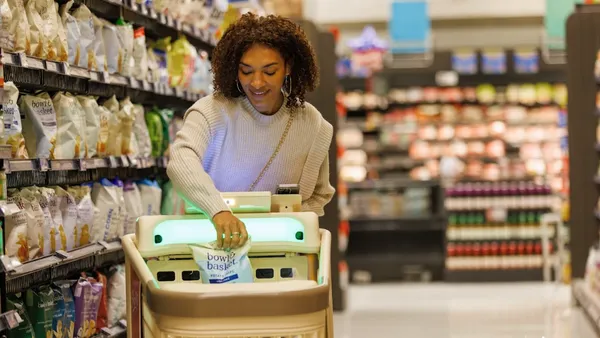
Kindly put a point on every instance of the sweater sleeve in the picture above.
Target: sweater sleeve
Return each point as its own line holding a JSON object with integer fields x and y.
{"x": 323, "y": 192}
{"x": 185, "y": 168}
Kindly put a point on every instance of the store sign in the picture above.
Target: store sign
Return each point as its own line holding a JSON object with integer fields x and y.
{"x": 409, "y": 27}
{"x": 367, "y": 52}
{"x": 555, "y": 21}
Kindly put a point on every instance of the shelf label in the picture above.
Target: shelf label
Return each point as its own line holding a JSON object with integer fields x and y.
{"x": 62, "y": 254}
{"x": 124, "y": 161}
{"x": 82, "y": 165}
{"x": 134, "y": 83}
{"x": 147, "y": 86}
{"x": 162, "y": 18}
{"x": 43, "y": 164}
{"x": 132, "y": 161}
{"x": 112, "y": 162}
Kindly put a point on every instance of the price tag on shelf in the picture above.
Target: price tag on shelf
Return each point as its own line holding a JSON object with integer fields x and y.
{"x": 147, "y": 86}
{"x": 82, "y": 164}
{"x": 162, "y": 18}
{"x": 123, "y": 323}
{"x": 112, "y": 162}
{"x": 21, "y": 59}
{"x": 153, "y": 13}
{"x": 134, "y": 83}
{"x": 52, "y": 66}
{"x": 108, "y": 331}
{"x": 185, "y": 27}
{"x": 43, "y": 164}
{"x": 62, "y": 254}
{"x": 35, "y": 63}
{"x": 65, "y": 68}
{"x": 132, "y": 161}
{"x": 124, "y": 161}
{"x": 144, "y": 9}
{"x": 179, "y": 92}
{"x": 134, "y": 5}
{"x": 170, "y": 22}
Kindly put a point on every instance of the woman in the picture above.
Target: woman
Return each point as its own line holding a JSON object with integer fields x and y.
{"x": 256, "y": 131}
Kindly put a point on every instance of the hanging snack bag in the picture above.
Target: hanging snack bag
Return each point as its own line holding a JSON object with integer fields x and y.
{"x": 154, "y": 122}
{"x": 72, "y": 32}
{"x": 159, "y": 53}
{"x": 92, "y": 124}
{"x": 87, "y": 299}
{"x": 35, "y": 222}
{"x": 113, "y": 47}
{"x": 39, "y": 125}
{"x": 105, "y": 197}
{"x": 99, "y": 62}
{"x": 68, "y": 232}
{"x": 68, "y": 322}
{"x": 151, "y": 197}
{"x": 117, "y": 297}
{"x": 125, "y": 35}
{"x": 49, "y": 230}
{"x": 126, "y": 118}
{"x": 49, "y": 195}
{"x": 102, "y": 316}
{"x": 16, "y": 245}
{"x": 6, "y": 41}
{"x": 25, "y": 329}
{"x": 70, "y": 118}
{"x": 40, "y": 307}
{"x": 133, "y": 206}
{"x": 140, "y": 130}
{"x": 218, "y": 266}
{"x": 60, "y": 41}
{"x": 58, "y": 312}
{"x": 115, "y": 135}
{"x": 122, "y": 210}
{"x": 140, "y": 54}
{"x": 86, "y": 28}
{"x": 85, "y": 213}
{"x": 18, "y": 30}
{"x": 12, "y": 122}
{"x": 104, "y": 115}
{"x": 39, "y": 43}
{"x": 180, "y": 62}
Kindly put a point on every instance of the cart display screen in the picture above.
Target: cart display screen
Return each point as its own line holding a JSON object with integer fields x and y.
{"x": 197, "y": 231}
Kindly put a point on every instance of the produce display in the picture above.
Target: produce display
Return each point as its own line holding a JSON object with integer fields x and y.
{"x": 485, "y": 132}
{"x": 72, "y": 308}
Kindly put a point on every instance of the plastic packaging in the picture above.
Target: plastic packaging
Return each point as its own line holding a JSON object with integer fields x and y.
{"x": 25, "y": 329}
{"x": 13, "y": 128}
{"x": 113, "y": 48}
{"x": 68, "y": 230}
{"x": 219, "y": 266}
{"x": 140, "y": 130}
{"x": 60, "y": 42}
{"x": 133, "y": 205}
{"x": 115, "y": 135}
{"x": 19, "y": 27}
{"x": 151, "y": 197}
{"x": 126, "y": 118}
{"x": 16, "y": 245}
{"x": 86, "y": 28}
{"x": 28, "y": 202}
{"x": 92, "y": 124}
{"x": 117, "y": 300}
{"x": 106, "y": 199}
{"x": 99, "y": 62}
{"x": 72, "y": 33}
{"x": 140, "y": 54}
{"x": 85, "y": 215}
{"x": 40, "y": 305}
{"x": 68, "y": 322}
{"x": 39, "y": 125}
{"x": 70, "y": 118}
{"x": 125, "y": 35}
{"x": 87, "y": 300}
{"x": 6, "y": 40}
{"x": 104, "y": 132}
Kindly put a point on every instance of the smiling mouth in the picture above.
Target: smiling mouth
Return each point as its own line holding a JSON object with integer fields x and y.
{"x": 259, "y": 93}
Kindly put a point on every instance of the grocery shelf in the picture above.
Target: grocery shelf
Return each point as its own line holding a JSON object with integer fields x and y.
{"x": 384, "y": 267}
{"x": 31, "y": 73}
{"x": 589, "y": 301}
{"x": 157, "y": 25}
{"x": 61, "y": 265}
{"x": 396, "y": 183}
{"x": 494, "y": 275}
{"x": 402, "y": 223}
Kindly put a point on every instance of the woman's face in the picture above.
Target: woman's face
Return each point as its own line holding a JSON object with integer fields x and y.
{"x": 261, "y": 73}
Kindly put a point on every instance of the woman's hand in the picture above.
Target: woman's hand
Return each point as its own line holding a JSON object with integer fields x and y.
{"x": 231, "y": 232}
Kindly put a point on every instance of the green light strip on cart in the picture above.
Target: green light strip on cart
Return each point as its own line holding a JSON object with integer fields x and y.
{"x": 198, "y": 231}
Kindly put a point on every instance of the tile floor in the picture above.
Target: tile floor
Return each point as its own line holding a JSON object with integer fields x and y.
{"x": 523, "y": 310}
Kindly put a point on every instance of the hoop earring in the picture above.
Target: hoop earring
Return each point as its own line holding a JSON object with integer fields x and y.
{"x": 288, "y": 80}
{"x": 237, "y": 84}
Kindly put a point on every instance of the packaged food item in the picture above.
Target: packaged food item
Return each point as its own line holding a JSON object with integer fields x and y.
{"x": 104, "y": 132}
{"x": 40, "y": 307}
{"x": 58, "y": 312}
{"x": 70, "y": 118}
{"x": 12, "y": 121}
{"x": 117, "y": 297}
{"x": 113, "y": 47}
{"x": 28, "y": 202}
{"x": 68, "y": 231}
{"x": 25, "y": 329}
{"x": 60, "y": 41}
{"x": 39, "y": 125}
{"x": 181, "y": 58}
{"x": 151, "y": 196}
{"x": 201, "y": 78}
{"x": 122, "y": 210}
{"x": 85, "y": 214}
{"x": 126, "y": 117}
{"x": 99, "y": 62}
{"x": 87, "y": 296}
{"x": 133, "y": 206}
{"x": 125, "y": 35}
{"x": 92, "y": 124}
{"x": 218, "y": 266}
{"x": 140, "y": 131}
{"x": 105, "y": 197}
{"x": 72, "y": 33}
{"x": 159, "y": 56}
{"x": 140, "y": 54}
{"x": 39, "y": 42}
{"x": 49, "y": 229}
{"x": 102, "y": 317}
{"x": 154, "y": 122}
{"x": 84, "y": 205}
{"x": 68, "y": 321}
{"x": 49, "y": 195}
{"x": 6, "y": 41}
{"x": 16, "y": 245}
{"x": 115, "y": 134}
{"x": 172, "y": 203}
{"x": 18, "y": 29}
{"x": 86, "y": 28}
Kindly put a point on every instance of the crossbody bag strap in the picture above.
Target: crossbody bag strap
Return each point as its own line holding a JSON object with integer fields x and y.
{"x": 266, "y": 167}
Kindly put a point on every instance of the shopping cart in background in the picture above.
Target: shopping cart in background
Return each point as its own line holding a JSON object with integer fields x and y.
{"x": 290, "y": 296}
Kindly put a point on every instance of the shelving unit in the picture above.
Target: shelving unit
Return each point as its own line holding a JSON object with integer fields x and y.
{"x": 583, "y": 30}
{"x": 405, "y": 240}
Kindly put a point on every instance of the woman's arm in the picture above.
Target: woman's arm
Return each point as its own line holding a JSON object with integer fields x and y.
{"x": 185, "y": 166}
{"x": 323, "y": 191}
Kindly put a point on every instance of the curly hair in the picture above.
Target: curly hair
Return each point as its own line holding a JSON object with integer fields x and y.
{"x": 275, "y": 32}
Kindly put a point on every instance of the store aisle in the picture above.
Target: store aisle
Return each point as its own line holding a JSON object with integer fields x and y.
{"x": 523, "y": 310}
